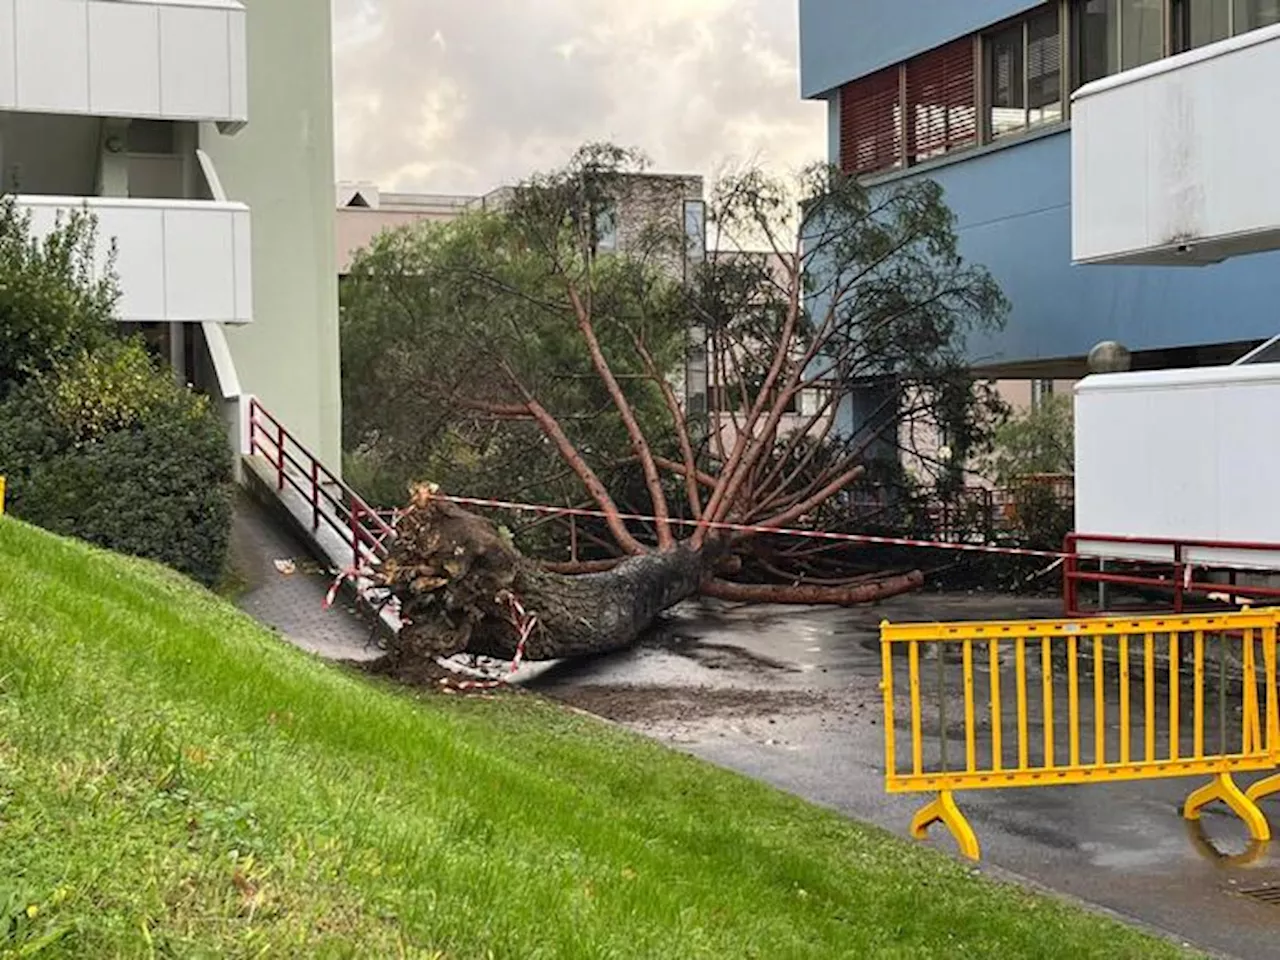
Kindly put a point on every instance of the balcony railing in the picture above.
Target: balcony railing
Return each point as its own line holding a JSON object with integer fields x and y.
{"x": 1171, "y": 162}
{"x": 143, "y": 59}
{"x": 179, "y": 261}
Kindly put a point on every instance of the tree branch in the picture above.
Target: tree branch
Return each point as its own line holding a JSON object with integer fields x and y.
{"x": 638, "y": 441}
{"x": 829, "y": 596}
{"x": 681, "y": 426}
{"x": 569, "y": 453}
{"x": 800, "y": 509}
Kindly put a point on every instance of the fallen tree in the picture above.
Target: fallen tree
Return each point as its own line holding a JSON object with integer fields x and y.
{"x": 825, "y": 335}
{"x": 456, "y": 577}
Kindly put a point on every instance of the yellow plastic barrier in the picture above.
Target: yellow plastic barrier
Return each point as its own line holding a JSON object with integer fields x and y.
{"x": 1043, "y": 703}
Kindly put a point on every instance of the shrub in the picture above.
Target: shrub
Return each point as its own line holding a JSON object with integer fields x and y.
{"x": 1038, "y": 441}
{"x": 109, "y": 449}
{"x": 54, "y": 301}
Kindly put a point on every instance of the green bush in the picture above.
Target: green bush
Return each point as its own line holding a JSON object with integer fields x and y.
{"x": 109, "y": 449}
{"x": 54, "y": 301}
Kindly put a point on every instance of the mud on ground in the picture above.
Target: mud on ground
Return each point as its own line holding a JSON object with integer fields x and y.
{"x": 647, "y": 705}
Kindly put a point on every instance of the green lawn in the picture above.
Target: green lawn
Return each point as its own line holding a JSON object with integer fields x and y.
{"x": 174, "y": 782}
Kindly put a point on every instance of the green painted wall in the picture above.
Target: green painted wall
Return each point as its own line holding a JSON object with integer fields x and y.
{"x": 282, "y": 166}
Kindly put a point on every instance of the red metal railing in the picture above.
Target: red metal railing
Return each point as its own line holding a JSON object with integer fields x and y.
{"x": 333, "y": 503}
{"x": 976, "y": 513}
{"x": 1179, "y": 575}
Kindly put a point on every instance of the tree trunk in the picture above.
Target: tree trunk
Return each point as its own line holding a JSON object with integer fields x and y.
{"x": 460, "y": 583}
{"x": 593, "y": 613}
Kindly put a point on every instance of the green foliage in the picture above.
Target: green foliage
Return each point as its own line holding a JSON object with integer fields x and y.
{"x": 176, "y": 782}
{"x": 106, "y": 447}
{"x": 1032, "y": 449}
{"x": 1040, "y": 440}
{"x": 54, "y": 302}
{"x": 457, "y": 338}
{"x": 442, "y": 321}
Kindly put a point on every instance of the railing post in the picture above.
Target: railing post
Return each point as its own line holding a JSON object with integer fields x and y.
{"x": 279, "y": 456}
{"x": 355, "y": 533}
{"x": 1069, "y": 582}
{"x": 315, "y": 494}
{"x": 1177, "y": 577}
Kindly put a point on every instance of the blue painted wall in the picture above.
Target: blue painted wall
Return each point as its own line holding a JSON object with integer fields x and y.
{"x": 1013, "y": 214}
{"x": 841, "y": 40}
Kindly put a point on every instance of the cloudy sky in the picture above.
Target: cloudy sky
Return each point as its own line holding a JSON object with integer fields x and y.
{"x": 462, "y": 95}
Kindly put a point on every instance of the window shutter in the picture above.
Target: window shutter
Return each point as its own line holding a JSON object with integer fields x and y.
{"x": 871, "y": 123}
{"x": 941, "y": 106}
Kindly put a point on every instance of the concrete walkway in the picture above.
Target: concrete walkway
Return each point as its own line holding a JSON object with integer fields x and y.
{"x": 292, "y": 603}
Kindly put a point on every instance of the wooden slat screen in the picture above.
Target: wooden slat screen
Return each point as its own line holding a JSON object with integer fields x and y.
{"x": 941, "y": 101}
{"x": 871, "y": 123}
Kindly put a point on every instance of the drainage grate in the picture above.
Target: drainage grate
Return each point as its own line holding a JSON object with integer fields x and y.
{"x": 1269, "y": 894}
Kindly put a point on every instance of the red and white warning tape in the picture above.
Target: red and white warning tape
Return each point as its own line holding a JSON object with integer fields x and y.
{"x": 524, "y": 622}
{"x": 353, "y": 574}
{"x": 521, "y": 619}
{"x": 860, "y": 538}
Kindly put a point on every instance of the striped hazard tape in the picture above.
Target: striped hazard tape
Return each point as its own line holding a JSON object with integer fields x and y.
{"x": 524, "y": 623}
{"x": 860, "y": 538}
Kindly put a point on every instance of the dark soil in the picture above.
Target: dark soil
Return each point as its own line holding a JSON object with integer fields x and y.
{"x": 628, "y": 704}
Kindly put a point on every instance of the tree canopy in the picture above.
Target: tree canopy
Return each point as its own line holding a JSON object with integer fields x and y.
{"x": 505, "y": 354}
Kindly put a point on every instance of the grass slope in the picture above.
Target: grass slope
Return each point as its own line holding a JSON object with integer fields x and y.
{"x": 174, "y": 782}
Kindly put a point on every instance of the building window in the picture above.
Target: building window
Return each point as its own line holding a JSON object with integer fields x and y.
{"x": 695, "y": 233}
{"x": 1041, "y": 393}
{"x": 930, "y": 105}
{"x": 871, "y": 123}
{"x": 1024, "y": 79}
{"x": 941, "y": 104}
{"x": 606, "y": 228}
{"x": 1252, "y": 14}
{"x": 1200, "y": 22}
{"x": 1115, "y": 35}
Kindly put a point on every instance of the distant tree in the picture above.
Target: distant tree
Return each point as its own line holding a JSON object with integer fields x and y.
{"x": 1040, "y": 440}
{"x": 524, "y": 323}
{"x": 1033, "y": 457}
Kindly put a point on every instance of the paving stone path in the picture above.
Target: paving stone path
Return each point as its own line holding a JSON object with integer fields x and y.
{"x": 292, "y": 602}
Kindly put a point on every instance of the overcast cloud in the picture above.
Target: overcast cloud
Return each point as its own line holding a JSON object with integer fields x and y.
{"x": 463, "y": 95}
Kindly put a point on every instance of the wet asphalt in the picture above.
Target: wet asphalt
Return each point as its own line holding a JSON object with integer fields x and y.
{"x": 791, "y": 696}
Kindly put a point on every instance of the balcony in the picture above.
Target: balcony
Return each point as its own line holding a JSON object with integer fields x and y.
{"x": 143, "y": 59}
{"x": 178, "y": 261}
{"x": 1172, "y": 162}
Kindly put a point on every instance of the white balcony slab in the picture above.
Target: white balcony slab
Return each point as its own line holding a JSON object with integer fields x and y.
{"x": 177, "y": 261}
{"x": 144, "y": 59}
{"x": 1171, "y": 162}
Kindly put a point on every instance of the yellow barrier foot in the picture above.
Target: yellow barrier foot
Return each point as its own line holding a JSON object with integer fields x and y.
{"x": 944, "y": 810}
{"x": 1223, "y": 788}
{"x": 1264, "y": 788}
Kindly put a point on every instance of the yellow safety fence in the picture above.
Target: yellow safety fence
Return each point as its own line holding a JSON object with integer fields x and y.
{"x": 1046, "y": 703}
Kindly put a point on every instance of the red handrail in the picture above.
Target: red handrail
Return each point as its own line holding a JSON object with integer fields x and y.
{"x": 332, "y": 502}
{"x": 1172, "y": 574}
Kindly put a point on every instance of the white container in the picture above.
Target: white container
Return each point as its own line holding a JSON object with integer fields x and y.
{"x": 1181, "y": 454}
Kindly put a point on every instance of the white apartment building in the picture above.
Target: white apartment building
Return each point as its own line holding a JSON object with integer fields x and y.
{"x": 200, "y": 135}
